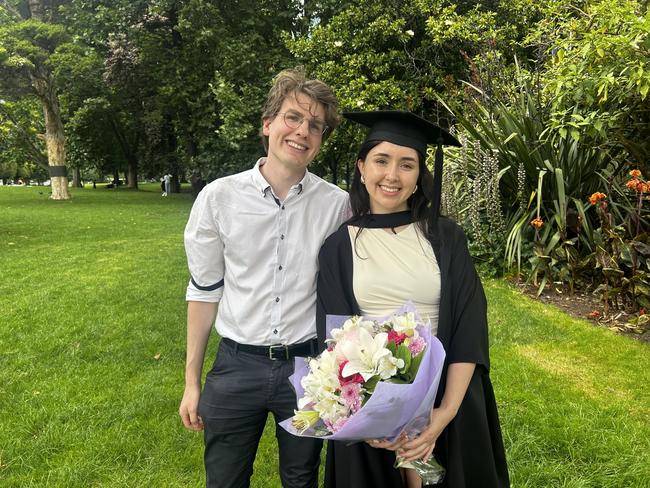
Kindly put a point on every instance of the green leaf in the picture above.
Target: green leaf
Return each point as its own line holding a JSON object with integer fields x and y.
{"x": 415, "y": 363}
{"x": 392, "y": 348}
{"x": 371, "y": 383}
{"x": 404, "y": 354}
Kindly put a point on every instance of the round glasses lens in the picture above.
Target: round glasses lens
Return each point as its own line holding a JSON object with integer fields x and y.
{"x": 293, "y": 120}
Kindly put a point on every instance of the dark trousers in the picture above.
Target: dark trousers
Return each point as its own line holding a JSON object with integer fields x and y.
{"x": 239, "y": 392}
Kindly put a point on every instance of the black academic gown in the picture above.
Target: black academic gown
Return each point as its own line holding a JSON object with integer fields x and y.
{"x": 471, "y": 447}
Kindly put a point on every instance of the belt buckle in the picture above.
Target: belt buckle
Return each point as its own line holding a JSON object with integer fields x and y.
{"x": 278, "y": 346}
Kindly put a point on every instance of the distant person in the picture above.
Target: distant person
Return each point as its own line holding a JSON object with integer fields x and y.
{"x": 168, "y": 184}
{"x": 252, "y": 244}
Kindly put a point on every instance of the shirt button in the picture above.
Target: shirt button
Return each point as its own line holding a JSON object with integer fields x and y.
{"x": 282, "y": 207}
{"x": 280, "y": 267}
{"x": 275, "y": 331}
{"x": 282, "y": 236}
{"x": 277, "y": 299}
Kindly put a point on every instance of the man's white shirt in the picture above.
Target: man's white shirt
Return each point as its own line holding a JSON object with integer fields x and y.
{"x": 258, "y": 256}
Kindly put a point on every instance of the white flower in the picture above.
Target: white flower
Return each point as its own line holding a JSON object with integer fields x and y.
{"x": 410, "y": 32}
{"x": 338, "y": 43}
{"x": 365, "y": 355}
{"x": 405, "y": 324}
{"x": 322, "y": 381}
{"x": 331, "y": 409}
{"x": 303, "y": 419}
{"x": 360, "y": 103}
{"x": 388, "y": 366}
{"x": 349, "y": 332}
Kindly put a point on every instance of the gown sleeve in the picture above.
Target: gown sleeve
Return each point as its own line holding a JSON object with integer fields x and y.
{"x": 468, "y": 341}
{"x": 334, "y": 287}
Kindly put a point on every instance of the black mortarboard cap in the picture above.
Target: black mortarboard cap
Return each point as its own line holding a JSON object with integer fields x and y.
{"x": 409, "y": 130}
{"x": 402, "y": 128}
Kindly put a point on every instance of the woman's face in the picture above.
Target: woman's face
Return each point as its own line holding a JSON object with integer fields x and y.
{"x": 390, "y": 173}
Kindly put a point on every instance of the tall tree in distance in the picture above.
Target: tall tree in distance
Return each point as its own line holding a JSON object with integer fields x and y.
{"x": 27, "y": 42}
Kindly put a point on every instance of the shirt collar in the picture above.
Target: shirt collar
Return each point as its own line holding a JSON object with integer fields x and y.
{"x": 263, "y": 186}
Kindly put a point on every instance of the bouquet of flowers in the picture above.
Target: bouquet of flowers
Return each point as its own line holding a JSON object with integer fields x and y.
{"x": 377, "y": 379}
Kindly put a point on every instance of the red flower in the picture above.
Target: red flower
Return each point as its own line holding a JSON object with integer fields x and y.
{"x": 537, "y": 223}
{"x": 355, "y": 378}
{"x": 396, "y": 337}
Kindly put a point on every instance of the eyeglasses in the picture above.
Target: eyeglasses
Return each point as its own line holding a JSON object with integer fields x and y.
{"x": 295, "y": 120}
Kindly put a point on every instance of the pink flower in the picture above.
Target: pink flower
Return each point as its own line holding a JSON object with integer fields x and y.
{"x": 351, "y": 394}
{"x": 396, "y": 337}
{"x": 416, "y": 346}
{"x": 337, "y": 425}
{"x": 355, "y": 378}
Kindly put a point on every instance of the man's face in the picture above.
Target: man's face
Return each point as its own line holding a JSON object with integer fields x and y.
{"x": 295, "y": 148}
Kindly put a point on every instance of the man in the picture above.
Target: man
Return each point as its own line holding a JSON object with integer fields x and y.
{"x": 252, "y": 243}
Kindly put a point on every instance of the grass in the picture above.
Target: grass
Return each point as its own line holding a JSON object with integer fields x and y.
{"x": 92, "y": 291}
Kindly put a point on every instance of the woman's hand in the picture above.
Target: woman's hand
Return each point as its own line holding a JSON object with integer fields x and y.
{"x": 422, "y": 446}
{"x": 386, "y": 444}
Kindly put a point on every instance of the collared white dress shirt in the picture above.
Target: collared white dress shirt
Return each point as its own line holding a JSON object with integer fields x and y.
{"x": 258, "y": 256}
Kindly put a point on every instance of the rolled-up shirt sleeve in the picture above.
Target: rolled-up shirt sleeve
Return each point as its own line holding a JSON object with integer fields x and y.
{"x": 204, "y": 250}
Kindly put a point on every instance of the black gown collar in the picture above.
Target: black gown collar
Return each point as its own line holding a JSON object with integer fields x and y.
{"x": 383, "y": 221}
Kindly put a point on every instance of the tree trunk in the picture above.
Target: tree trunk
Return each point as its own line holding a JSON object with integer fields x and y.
{"x": 129, "y": 152}
{"x": 36, "y": 9}
{"x": 334, "y": 167}
{"x": 55, "y": 142}
{"x": 347, "y": 174}
{"x": 132, "y": 173}
{"x": 54, "y": 135}
{"x": 76, "y": 179}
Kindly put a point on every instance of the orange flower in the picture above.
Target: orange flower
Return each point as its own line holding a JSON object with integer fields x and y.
{"x": 632, "y": 184}
{"x": 597, "y": 197}
{"x": 635, "y": 173}
{"x": 537, "y": 223}
{"x": 642, "y": 187}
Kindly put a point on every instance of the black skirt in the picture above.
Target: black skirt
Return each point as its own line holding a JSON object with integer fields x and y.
{"x": 470, "y": 448}
{"x": 359, "y": 466}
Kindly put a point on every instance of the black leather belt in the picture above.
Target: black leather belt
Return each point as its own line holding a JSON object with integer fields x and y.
{"x": 277, "y": 351}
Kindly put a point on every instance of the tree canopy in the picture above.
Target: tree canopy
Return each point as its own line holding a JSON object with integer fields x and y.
{"x": 148, "y": 87}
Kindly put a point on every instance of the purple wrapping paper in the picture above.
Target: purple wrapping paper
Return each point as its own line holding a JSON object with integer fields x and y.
{"x": 392, "y": 408}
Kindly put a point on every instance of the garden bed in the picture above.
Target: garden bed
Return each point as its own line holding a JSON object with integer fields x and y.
{"x": 585, "y": 305}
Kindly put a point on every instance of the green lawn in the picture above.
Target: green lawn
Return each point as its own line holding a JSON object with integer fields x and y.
{"x": 92, "y": 291}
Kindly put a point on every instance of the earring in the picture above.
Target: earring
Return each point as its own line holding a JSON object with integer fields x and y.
{"x": 416, "y": 189}
{"x": 363, "y": 180}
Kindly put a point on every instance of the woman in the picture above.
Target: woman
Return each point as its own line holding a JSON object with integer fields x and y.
{"x": 396, "y": 248}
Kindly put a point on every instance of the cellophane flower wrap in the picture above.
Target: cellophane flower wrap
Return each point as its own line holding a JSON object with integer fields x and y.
{"x": 377, "y": 378}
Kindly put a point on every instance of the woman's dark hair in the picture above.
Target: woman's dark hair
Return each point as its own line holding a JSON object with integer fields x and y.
{"x": 419, "y": 203}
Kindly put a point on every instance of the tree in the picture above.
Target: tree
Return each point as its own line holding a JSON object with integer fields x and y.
{"x": 21, "y": 151}
{"x": 26, "y": 45}
{"x": 597, "y": 74}
{"x": 403, "y": 55}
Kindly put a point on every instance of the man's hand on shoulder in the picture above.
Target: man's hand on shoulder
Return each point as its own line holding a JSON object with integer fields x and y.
{"x": 189, "y": 409}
